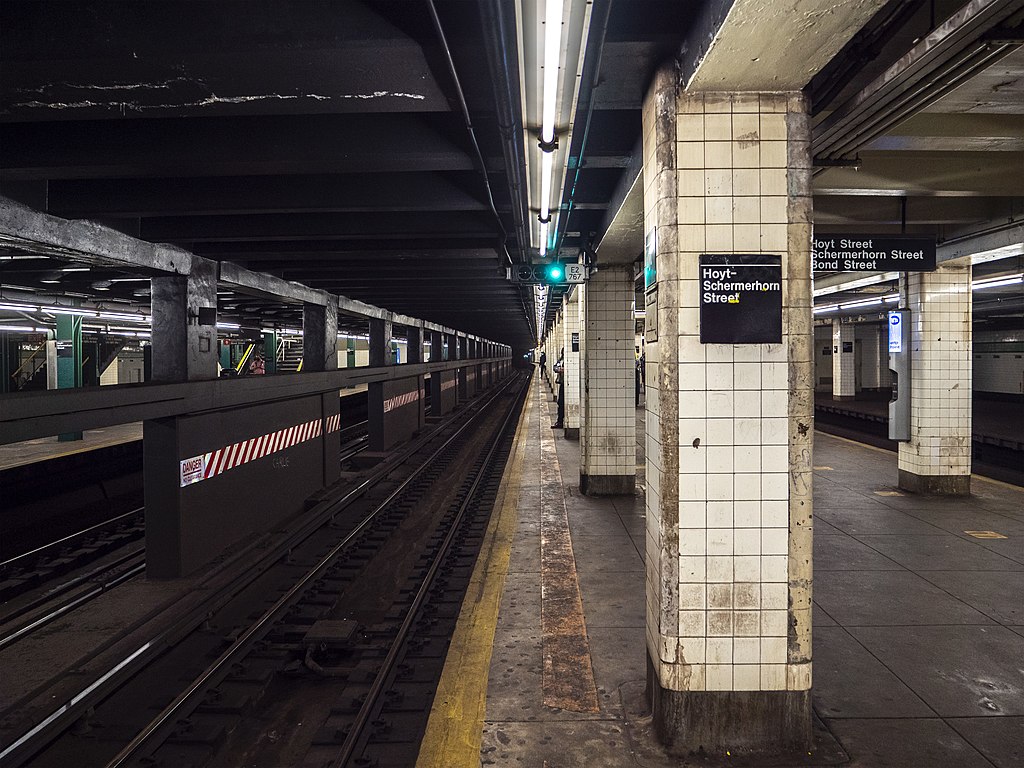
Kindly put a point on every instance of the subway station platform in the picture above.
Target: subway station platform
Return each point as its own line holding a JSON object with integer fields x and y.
{"x": 918, "y": 621}
{"x": 45, "y": 448}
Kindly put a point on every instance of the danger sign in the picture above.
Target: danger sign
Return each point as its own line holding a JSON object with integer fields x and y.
{"x": 192, "y": 470}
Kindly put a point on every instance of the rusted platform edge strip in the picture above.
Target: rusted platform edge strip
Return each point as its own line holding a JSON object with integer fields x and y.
{"x": 568, "y": 674}
{"x": 455, "y": 727}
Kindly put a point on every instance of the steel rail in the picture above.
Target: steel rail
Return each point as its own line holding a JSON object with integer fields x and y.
{"x": 70, "y": 711}
{"x": 79, "y": 600}
{"x": 348, "y": 747}
{"x": 170, "y": 713}
{"x": 69, "y": 537}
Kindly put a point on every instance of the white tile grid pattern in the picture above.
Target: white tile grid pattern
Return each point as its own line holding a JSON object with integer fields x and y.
{"x": 733, "y": 424}
{"x": 608, "y": 433}
{"x": 581, "y": 303}
{"x": 940, "y": 372}
{"x": 571, "y": 370}
{"x": 844, "y": 371}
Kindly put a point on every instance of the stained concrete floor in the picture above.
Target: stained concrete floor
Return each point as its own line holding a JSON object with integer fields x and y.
{"x": 918, "y": 637}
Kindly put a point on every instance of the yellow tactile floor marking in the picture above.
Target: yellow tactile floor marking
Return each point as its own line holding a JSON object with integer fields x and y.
{"x": 455, "y": 728}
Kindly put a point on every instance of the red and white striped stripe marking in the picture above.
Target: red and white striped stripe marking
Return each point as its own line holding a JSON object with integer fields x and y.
{"x": 333, "y": 423}
{"x": 217, "y": 462}
{"x": 448, "y": 384}
{"x": 399, "y": 400}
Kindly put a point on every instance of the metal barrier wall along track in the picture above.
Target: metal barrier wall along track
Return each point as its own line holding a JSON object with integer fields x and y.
{"x": 218, "y": 592}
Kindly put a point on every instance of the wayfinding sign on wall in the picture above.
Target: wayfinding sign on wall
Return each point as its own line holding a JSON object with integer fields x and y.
{"x": 868, "y": 253}
{"x": 740, "y": 299}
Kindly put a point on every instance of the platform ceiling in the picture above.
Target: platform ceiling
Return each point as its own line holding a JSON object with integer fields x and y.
{"x": 325, "y": 142}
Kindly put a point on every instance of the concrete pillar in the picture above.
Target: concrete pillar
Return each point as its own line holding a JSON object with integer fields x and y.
{"x": 873, "y": 357}
{"x": 937, "y": 459}
{"x": 380, "y": 343}
{"x": 729, "y": 427}
{"x": 581, "y": 298}
{"x": 414, "y": 344}
{"x": 571, "y": 364}
{"x": 184, "y": 331}
{"x": 319, "y": 337}
{"x": 436, "y": 354}
{"x": 844, "y": 369}
{"x": 270, "y": 352}
{"x": 69, "y": 360}
{"x": 608, "y": 420}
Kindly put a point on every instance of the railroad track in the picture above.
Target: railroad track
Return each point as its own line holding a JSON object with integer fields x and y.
{"x": 235, "y": 652}
{"x": 64, "y": 575}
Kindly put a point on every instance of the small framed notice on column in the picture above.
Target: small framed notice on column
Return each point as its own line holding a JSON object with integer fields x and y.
{"x": 740, "y": 299}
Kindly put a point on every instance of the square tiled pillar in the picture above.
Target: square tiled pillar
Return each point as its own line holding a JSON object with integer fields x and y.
{"x": 729, "y": 428}
{"x": 937, "y": 459}
{"x": 581, "y": 299}
{"x": 571, "y": 367}
{"x": 608, "y": 422}
{"x": 844, "y": 371}
{"x": 874, "y": 355}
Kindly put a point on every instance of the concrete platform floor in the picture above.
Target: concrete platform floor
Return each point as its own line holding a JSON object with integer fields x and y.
{"x": 919, "y": 626}
{"x": 43, "y": 448}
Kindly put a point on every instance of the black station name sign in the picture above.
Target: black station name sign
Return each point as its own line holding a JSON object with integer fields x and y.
{"x": 868, "y": 253}
{"x": 740, "y": 299}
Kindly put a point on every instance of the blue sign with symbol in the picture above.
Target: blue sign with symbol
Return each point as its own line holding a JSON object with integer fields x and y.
{"x": 895, "y": 332}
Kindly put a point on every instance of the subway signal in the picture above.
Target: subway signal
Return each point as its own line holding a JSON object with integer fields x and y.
{"x": 552, "y": 273}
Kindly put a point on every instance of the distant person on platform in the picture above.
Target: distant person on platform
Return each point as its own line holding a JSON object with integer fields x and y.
{"x": 639, "y": 378}
{"x": 543, "y": 361}
{"x": 560, "y": 381}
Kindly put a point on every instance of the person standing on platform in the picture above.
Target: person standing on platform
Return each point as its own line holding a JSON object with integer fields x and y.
{"x": 558, "y": 368}
{"x": 543, "y": 362}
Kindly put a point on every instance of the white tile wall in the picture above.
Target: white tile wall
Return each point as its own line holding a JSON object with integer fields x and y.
{"x": 844, "y": 370}
{"x": 940, "y": 372}
{"x": 608, "y": 418}
{"x": 571, "y": 325}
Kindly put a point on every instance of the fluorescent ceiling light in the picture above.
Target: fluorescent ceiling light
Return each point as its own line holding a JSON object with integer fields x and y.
{"x": 23, "y": 328}
{"x": 546, "y": 162}
{"x": 997, "y": 282}
{"x": 859, "y": 304}
{"x": 861, "y": 282}
{"x": 543, "y": 238}
{"x": 552, "y": 51}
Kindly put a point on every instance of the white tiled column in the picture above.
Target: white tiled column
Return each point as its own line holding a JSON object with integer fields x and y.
{"x": 874, "y": 356}
{"x": 844, "y": 369}
{"x": 728, "y": 428}
{"x": 937, "y": 459}
{"x": 581, "y": 300}
{"x": 608, "y": 421}
{"x": 571, "y": 371}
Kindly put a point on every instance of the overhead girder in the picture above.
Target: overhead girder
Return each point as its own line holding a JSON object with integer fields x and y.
{"x": 231, "y": 146}
{"x": 398, "y": 192}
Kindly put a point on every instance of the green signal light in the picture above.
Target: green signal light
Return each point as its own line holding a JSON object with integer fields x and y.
{"x": 555, "y": 272}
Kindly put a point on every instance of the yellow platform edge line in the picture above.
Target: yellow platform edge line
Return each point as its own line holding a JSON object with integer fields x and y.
{"x": 455, "y": 728}
{"x": 875, "y": 448}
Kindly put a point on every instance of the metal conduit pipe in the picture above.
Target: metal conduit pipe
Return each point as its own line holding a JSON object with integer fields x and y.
{"x": 889, "y": 114}
{"x": 464, "y": 108}
{"x": 497, "y": 17}
{"x": 599, "y": 23}
{"x": 947, "y": 57}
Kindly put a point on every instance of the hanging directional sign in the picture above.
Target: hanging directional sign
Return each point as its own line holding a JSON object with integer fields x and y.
{"x": 740, "y": 299}
{"x": 870, "y": 253}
